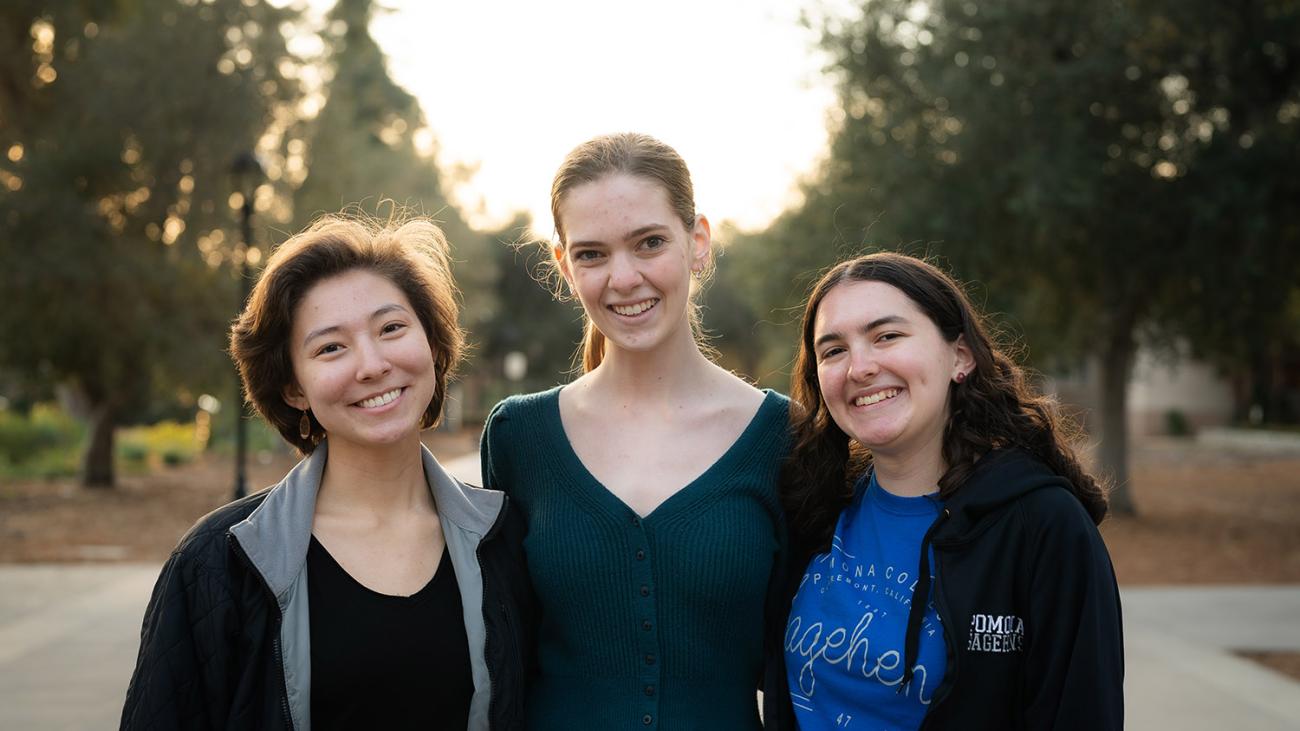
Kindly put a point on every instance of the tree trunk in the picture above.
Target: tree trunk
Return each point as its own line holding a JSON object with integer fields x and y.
{"x": 98, "y": 465}
{"x": 1116, "y": 366}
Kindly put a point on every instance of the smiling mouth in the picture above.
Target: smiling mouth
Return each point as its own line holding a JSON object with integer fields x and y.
{"x": 634, "y": 309}
{"x": 876, "y": 397}
{"x": 380, "y": 400}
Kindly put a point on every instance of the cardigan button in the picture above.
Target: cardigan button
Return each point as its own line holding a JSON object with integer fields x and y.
{"x": 650, "y": 690}
{"x": 649, "y": 659}
{"x": 636, "y": 521}
{"x": 647, "y": 720}
{"x": 645, "y": 590}
{"x": 647, "y": 626}
{"x": 640, "y": 555}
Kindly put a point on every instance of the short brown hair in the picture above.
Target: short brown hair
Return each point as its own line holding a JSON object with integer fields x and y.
{"x": 412, "y": 254}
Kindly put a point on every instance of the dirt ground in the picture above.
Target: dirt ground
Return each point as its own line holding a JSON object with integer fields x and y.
{"x": 1208, "y": 517}
{"x": 1203, "y": 517}
{"x": 143, "y": 517}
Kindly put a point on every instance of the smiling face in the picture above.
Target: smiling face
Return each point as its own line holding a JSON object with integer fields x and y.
{"x": 628, "y": 256}
{"x": 361, "y": 361}
{"x": 884, "y": 369}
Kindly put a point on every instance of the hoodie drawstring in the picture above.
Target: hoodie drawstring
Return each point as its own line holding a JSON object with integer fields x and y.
{"x": 920, "y": 598}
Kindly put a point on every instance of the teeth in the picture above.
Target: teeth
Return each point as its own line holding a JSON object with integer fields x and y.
{"x": 876, "y": 397}
{"x": 380, "y": 400}
{"x": 635, "y": 309}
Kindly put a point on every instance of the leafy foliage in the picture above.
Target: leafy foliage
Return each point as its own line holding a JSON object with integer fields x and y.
{"x": 1109, "y": 172}
{"x": 362, "y": 154}
{"x": 121, "y": 120}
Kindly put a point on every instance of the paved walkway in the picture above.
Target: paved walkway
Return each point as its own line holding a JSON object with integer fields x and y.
{"x": 68, "y": 638}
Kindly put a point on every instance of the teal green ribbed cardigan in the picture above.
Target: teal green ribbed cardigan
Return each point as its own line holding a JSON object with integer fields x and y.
{"x": 645, "y": 623}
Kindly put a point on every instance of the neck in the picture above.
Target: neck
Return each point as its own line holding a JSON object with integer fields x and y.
{"x": 910, "y": 473}
{"x": 673, "y": 371}
{"x": 375, "y": 482}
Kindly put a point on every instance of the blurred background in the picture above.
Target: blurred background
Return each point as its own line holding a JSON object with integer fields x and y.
{"x": 1115, "y": 181}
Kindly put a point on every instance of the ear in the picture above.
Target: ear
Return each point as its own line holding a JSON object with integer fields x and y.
{"x": 294, "y": 396}
{"x": 964, "y": 360}
{"x": 701, "y": 243}
{"x": 562, "y": 262}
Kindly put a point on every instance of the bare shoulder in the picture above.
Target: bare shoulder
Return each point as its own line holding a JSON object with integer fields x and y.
{"x": 733, "y": 395}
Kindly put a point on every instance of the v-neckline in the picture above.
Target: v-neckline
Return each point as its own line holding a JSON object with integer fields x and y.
{"x": 685, "y": 494}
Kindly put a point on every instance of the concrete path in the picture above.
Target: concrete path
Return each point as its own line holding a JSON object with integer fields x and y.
{"x": 69, "y": 634}
{"x": 1181, "y": 673}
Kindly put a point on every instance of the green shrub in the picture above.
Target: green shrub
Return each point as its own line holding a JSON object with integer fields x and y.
{"x": 1176, "y": 424}
{"x": 133, "y": 452}
{"x": 45, "y": 442}
{"x": 23, "y": 437}
{"x": 167, "y": 442}
{"x": 47, "y": 464}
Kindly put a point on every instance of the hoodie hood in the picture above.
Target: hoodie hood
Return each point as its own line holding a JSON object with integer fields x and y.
{"x": 1000, "y": 478}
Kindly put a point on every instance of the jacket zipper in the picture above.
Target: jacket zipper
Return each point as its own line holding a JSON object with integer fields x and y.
{"x": 493, "y": 696}
{"x": 941, "y": 602}
{"x": 279, "y": 623}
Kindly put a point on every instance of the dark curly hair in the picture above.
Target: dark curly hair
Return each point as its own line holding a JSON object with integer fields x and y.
{"x": 411, "y": 254}
{"x": 994, "y": 407}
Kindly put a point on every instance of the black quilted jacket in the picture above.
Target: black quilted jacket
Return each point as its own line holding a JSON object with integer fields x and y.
{"x": 215, "y": 652}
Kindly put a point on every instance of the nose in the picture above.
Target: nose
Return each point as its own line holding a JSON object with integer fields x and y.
{"x": 624, "y": 274}
{"x": 862, "y": 364}
{"x": 372, "y": 363}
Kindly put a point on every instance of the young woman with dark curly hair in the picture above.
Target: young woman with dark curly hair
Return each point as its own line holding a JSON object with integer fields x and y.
{"x": 949, "y": 573}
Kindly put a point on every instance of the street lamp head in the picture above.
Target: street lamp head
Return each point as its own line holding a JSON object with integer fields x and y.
{"x": 246, "y": 174}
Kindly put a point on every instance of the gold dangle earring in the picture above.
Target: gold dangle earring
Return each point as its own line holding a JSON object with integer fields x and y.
{"x": 304, "y": 425}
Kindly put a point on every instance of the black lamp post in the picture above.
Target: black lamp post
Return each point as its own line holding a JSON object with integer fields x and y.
{"x": 245, "y": 175}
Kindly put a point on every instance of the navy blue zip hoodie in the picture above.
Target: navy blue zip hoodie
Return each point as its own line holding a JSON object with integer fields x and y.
{"x": 1030, "y": 608}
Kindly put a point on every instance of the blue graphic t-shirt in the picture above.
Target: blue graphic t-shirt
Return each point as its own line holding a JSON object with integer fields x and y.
{"x": 844, "y": 640}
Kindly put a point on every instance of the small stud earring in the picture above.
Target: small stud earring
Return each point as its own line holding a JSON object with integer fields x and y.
{"x": 960, "y": 377}
{"x": 304, "y": 425}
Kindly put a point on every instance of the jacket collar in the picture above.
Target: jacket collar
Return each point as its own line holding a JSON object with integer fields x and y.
{"x": 1000, "y": 478}
{"x": 275, "y": 536}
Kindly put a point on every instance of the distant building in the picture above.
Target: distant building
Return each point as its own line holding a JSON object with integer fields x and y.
{"x": 1163, "y": 393}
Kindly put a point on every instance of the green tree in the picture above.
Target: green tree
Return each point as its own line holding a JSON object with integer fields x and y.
{"x": 531, "y": 319}
{"x": 119, "y": 124}
{"x": 361, "y": 153}
{"x": 1112, "y": 173}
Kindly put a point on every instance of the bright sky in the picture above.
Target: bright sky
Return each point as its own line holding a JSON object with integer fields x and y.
{"x": 510, "y": 86}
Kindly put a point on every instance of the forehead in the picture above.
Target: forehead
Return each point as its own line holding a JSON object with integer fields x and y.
{"x": 612, "y": 205}
{"x": 851, "y": 305}
{"x": 352, "y": 295}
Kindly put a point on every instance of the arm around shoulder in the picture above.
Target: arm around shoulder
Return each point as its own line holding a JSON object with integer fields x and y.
{"x": 491, "y": 453}
{"x": 1074, "y": 677}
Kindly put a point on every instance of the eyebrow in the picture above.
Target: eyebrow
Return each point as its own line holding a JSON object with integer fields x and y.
{"x": 886, "y": 320}
{"x": 394, "y": 307}
{"x": 633, "y": 234}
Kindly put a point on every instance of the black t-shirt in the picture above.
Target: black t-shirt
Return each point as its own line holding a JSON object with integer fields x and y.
{"x": 380, "y": 661}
